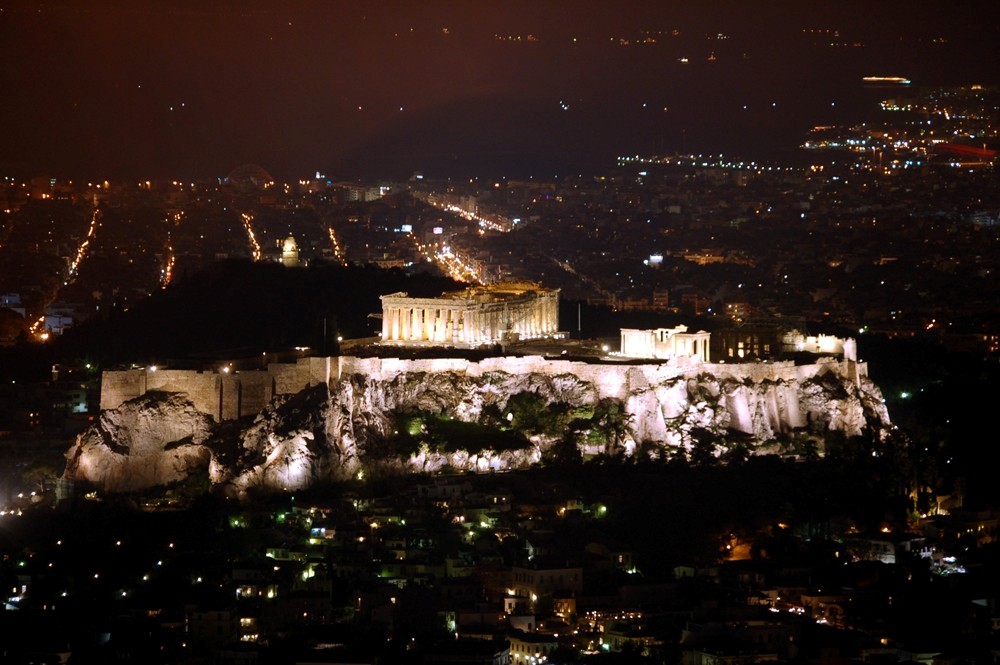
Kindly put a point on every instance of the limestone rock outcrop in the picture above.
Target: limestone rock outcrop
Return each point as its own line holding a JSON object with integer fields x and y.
{"x": 346, "y": 427}
{"x": 157, "y": 439}
{"x": 288, "y": 447}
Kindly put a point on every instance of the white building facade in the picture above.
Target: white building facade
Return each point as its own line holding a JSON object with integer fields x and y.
{"x": 665, "y": 343}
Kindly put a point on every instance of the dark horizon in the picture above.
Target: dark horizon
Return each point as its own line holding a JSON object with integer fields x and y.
{"x": 135, "y": 90}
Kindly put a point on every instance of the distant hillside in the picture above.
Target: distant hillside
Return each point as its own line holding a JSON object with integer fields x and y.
{"x": 239, "y": 307}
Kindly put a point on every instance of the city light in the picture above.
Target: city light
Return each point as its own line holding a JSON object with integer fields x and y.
{"x": 483, "y": 463}
{"x": 167, "y": 273}
{"x": 255, "y": 252}
{"x": 338, "y": 252}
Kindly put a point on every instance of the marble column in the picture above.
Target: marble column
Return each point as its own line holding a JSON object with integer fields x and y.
{"x": 441, "y": 325}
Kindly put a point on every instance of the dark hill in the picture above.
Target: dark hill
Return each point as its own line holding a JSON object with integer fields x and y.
{"x": 238, "y": 308}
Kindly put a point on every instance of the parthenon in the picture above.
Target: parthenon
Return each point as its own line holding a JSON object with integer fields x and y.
{"x": 478, "y": 315}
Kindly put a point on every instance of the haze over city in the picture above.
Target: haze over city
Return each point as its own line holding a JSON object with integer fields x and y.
{"x": 190, "y": 89}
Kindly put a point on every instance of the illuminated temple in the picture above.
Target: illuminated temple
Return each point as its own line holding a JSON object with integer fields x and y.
{"x": 476, "y": 316}
{"x": 665, "y": 343}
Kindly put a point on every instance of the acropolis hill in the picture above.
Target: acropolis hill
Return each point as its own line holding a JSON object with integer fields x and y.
{"x": 324, "y": 419}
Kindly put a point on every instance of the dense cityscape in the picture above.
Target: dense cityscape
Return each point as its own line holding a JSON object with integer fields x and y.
{"x": 644, "y": 336}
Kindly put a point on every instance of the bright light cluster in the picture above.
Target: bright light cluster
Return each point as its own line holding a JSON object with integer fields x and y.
{"x": 37, "y": 328}
{"x": 484, "y": 222}
{"x": 704, "y": 161}
{"x": 167, "y": 272}
{"x": 452, "y": 263}
{"x": 338, "y": 251}
{"x": 254, "y": 245}
{"x": 82, "y": 250}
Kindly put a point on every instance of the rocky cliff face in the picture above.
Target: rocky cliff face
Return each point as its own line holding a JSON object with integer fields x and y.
{"x": 156, "y": 439}
{"x": 330, "y": 433}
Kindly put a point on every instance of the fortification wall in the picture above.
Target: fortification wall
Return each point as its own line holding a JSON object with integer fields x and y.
{"x": 256, "y": 390}
{"x": 611, "y": 380}
{"x": 289, "y": 377}
{"x": 222, "y": 395}
{"x": 227, "y": 396}
{"x": 201, "y": 387}
{"x": 121, "y": 386}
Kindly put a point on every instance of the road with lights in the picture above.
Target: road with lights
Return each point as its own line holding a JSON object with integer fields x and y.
{"x": 338, "y": 251}
{"x": 251, "y": 237}
{"x": 451, "y": 261}
{"x": 37, "y": 328}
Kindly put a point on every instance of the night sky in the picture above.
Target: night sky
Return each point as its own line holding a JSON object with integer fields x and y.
{"x": 193, "y": 89}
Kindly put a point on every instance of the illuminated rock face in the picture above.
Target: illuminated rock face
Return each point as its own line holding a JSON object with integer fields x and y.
{"x": 153, "y": 440}
{"x": 331, "y": 431}
{"x": 287, "y": 447}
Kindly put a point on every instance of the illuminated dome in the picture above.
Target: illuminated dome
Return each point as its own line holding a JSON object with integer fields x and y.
{"x": 249, "y": 176}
